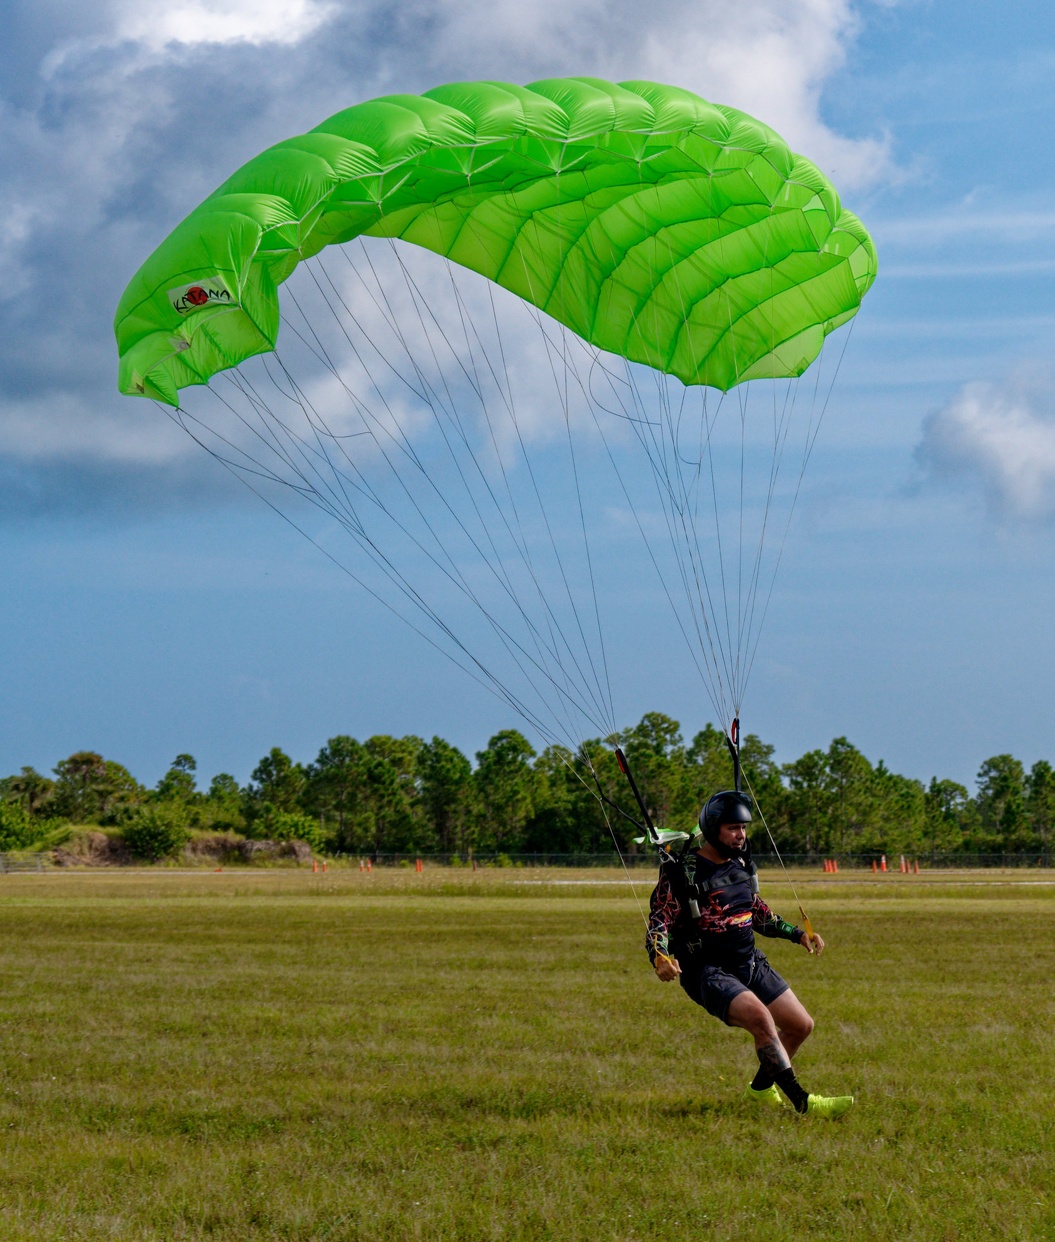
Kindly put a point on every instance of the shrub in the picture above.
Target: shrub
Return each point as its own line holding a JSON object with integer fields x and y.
{"x": 156, "y": 831}
{"x": 291, "y": 826}
{"x": 16, "y": 828}
{"x": 49, "y": 833}
{"x": 216, "y": 816}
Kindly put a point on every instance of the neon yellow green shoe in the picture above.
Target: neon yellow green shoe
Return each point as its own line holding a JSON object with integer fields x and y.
{"x": 830, "y": 1107}
{"x": 769, "y": 1098}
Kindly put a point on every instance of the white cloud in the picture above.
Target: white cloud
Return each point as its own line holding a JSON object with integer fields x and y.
{"x": 220, "y": 21}
{"x": 16, "y": 226}
{"x": 1003, "y": 225}
{"x": 771, "y": 59}
{"x": 54, "y": 428}
{"x": 108, "y": 149}
{"x": 1001, "y": 438}
{"x": 967, "y": 271}
{"x": 422, "y": 358}
{"x": 767, "y": 57}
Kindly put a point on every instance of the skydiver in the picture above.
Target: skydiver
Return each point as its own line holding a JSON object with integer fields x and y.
{"x": 705, "y": 911}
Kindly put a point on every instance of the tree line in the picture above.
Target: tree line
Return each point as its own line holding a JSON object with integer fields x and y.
{"x": 405, "y": 795}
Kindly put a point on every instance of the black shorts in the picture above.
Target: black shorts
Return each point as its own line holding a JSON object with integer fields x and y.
{"x": 715, "y": 988}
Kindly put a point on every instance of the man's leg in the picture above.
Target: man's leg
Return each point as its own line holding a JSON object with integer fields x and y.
{"x": 774, "y": 1056}
{"x": 793, "y": 1023}
{"x": 747, "y": 1012}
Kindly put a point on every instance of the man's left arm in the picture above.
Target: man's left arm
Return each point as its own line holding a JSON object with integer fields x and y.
{"x": 766, "y": 923}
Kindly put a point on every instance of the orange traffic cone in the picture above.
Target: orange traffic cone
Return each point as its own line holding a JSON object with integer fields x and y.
{"x": 369, "y": 865}
{"x": 324, "y": 864}
{"x": 417, "y": 865}
{"x": 875, "y": 867}
{"x": 882, "y": 862}
{"x": 314, "y": 864}
{"x": 915, "y": 866}
{"x": 361, "y": 867}
{"x": 826, "y": 866}
{"x": 904, "y": 865}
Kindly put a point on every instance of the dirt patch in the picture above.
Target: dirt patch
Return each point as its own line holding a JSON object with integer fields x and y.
{"x": 218, "y": 847}
{"x": 229, "y": 847}
{"x": 92, "y": 849}
{"x": 95, "y": 848}
{"x": 266, "y": 851}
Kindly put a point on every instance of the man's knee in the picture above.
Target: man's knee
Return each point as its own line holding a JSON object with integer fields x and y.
{"x": 791, "y": 1017}
{"x": 800, "y": 1025}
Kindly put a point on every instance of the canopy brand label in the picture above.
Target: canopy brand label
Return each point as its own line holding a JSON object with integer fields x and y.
{"x": 212, "y": 291}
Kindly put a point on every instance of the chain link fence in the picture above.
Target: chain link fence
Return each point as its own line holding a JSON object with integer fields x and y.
{"x": 642, "y": 861}
{"x": 848, "y": 862}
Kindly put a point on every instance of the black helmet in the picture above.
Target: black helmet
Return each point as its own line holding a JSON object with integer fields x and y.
{"x": 726, "y": 807}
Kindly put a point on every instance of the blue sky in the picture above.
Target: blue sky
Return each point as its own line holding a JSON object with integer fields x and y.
{"x": 151, "y": 607}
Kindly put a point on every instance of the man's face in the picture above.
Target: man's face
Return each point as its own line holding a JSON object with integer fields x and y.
{"x": 733, "y": 836}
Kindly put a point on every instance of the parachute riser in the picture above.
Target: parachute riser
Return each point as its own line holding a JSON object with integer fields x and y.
{"x": 661, "y": 840}
{"x": 650, "y": 827}
{"x": 732, "y": 740}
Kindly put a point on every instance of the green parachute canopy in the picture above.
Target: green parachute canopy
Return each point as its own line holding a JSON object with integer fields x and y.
{"x": 671, "y": 231}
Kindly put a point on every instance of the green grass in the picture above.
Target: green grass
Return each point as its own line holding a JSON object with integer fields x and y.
{"x": 476, "y": 1056}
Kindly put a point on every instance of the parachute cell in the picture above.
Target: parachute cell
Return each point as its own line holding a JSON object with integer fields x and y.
{"x": 673, "y": 232}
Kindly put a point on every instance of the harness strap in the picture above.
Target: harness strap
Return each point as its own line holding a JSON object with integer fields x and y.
{"x": 737, "y": 876}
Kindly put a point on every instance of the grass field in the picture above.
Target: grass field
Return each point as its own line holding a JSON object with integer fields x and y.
{"x": 264, "y": 1055}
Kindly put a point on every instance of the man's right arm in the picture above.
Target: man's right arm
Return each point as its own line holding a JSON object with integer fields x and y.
{"x": 663, "y": 911}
